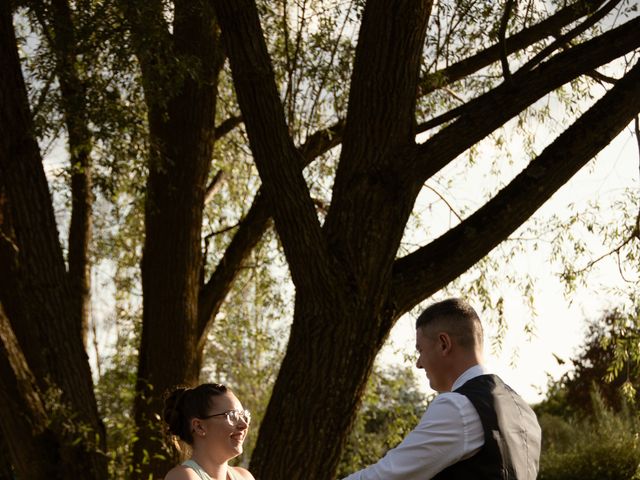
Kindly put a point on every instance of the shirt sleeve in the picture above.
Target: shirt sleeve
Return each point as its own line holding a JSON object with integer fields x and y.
{"x": 449, "y": 431}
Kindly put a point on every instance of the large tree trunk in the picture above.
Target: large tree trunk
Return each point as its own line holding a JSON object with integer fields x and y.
{"x": 182, "y": 133}
{"x": 341, "y": 281}
{"x": 36, "y": 295}
{"x": 33, "y": 448}
{"x": 349, "y": 288}
{"x": 6, "y": 469}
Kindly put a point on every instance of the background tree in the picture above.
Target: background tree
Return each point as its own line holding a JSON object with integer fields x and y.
{"x": 392, "y": 406}
{"x": 607, "y": 361}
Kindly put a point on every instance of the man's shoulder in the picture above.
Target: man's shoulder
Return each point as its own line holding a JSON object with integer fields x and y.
{"x": 446, "y": 404}
{"x": 452, "y": 398}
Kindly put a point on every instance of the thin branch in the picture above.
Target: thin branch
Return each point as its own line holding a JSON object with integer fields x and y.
{"x": 502, "y": 33}
{"x": 287, "y": 53}
{"x": 636, "y": 131}
{"x": 44, "y": 93}
{"x": 620, "y": 268}
{"x": 214, "y": 186}
{"x": 215, "y": 233}
{"x": 227, "y": 125}
{"x": 332, "y": 56}
{"x": 96, "y": 348}
{"x": 250, "y": 231}
{"x": 444, "y": 200}
{"x": 296, "y": 56}
{"x": 615, "y": 250}
{"x": 602, "y": 78}
{"x": 453, "y": 94}
{"x": 484, "y": 114}
{"x": 518, "y": 41}
{"x": 441, "y": 119}
{"x": 570, "y": 35}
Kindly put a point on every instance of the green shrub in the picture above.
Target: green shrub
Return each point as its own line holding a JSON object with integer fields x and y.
{"x": 603, "y": 446}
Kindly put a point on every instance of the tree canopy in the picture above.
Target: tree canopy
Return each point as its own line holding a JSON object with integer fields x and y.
{"x": 192, "y": 126}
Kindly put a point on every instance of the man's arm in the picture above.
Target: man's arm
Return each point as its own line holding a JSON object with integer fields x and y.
{"x": 449, "y": 431}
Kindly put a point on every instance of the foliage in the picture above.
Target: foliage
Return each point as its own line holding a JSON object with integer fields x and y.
{"x": 115, "y": 394}
{"x": 605, "y": 446}
{"x": 391, "y": 407}
{"x": 608, "y": 359}
{"x": 115, "y": 391}
{"x": 247, "y": 341}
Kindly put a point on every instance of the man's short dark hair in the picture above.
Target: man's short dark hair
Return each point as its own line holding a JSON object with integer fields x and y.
{"x": 454, "y": 316}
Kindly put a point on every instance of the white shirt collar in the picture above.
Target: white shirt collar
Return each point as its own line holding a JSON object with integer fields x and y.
{"x": 468, "y": 374}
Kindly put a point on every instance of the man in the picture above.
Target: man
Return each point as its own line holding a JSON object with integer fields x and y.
{"x": 477, "y": 427}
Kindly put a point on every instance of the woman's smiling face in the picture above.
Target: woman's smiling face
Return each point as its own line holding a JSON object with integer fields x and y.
{"x": 221, "y": 437}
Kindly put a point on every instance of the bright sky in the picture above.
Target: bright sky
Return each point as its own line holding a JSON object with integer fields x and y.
{"x": 524, "y": 361}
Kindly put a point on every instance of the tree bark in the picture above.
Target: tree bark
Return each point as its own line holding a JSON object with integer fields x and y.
{"x": 80, "y": 141}
{"x": 56, "y": 20}
{"x": 181, "y": 110}
{"x": 6, "y": 469}
{"x": 36, "y": 296}
{"x": 23, "y": 418}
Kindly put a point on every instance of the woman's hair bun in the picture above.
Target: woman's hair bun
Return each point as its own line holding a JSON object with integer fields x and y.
{"x": 173, "y": 413}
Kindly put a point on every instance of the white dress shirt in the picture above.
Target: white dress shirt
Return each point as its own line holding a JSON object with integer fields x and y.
{"x": 449, "y": 431}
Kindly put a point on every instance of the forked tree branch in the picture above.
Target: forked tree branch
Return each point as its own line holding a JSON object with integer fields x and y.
{"x": 252, "y": 227}
{"x": 484, "y": 114}
{"x": 453, "y": 73}
{"x": 420, "y": 274}
{"x": 276, "y": 158}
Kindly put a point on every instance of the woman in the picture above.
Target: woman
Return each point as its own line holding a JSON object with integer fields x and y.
{"x": 211, "y": 419}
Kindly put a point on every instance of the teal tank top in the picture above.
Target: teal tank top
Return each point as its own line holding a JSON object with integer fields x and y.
{"x": 193, "y": 465}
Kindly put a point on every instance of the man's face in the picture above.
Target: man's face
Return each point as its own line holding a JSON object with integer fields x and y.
{"x": 429, "y": 359}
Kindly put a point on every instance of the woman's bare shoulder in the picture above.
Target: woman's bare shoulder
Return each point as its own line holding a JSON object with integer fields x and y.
{"x": 242, "y": 473}
{"x": 181, "y": 473}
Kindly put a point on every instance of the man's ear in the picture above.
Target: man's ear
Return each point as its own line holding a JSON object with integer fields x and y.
{"x": 444, "y": 342}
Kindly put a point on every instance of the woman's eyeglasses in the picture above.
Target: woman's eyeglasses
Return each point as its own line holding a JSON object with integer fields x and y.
{"x": 233, "y": 416}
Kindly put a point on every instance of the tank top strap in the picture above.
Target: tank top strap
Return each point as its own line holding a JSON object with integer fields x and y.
{"x": 193, "y": 465}
{"x": 232, "y": 475}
